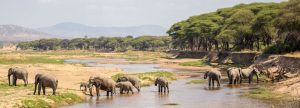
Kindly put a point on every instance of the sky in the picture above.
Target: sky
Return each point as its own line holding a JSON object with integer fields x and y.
{"x": 40, "y": 13}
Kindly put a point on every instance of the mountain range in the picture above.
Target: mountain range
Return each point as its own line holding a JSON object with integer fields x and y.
{"x": 73, "y": 30}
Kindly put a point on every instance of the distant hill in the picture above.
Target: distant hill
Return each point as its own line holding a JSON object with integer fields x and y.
{"x": 18, "y": 33}
{"x": 71, "y": 30}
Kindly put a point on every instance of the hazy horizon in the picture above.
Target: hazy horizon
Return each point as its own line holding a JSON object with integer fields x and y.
{"x": 107, "y": 13}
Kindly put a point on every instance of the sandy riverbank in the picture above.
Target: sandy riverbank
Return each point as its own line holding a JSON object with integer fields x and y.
{"x": 69, "y": 77}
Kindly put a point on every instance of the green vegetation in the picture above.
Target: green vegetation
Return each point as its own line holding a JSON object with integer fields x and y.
{"x": 37, "y": 103}
{"x": 31, "y": 60}
{"x": 148, "y": 78}
{"x": 273, "y": 26}
{"x": 171, "y": 104}
{"x": 61, "y": 99}
{"x": 200, "y": 81}
{"x": 199, "y": 63}
{"x": 266, "y": 94}
{"x": 68, "y": 98}
{"x": 142, "y": 43}
{"x": 5, "y": 89}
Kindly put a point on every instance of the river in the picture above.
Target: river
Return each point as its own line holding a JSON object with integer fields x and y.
{"x": 181, "y": 95}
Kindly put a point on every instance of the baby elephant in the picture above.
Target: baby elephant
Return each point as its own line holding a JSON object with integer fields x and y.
{"x": 132, "y": 79}
{"x": 212, "y": 77}
{"x": 84, "y": 85}
{"x": 162, "y": 84}
{"x": 125, "y": 86}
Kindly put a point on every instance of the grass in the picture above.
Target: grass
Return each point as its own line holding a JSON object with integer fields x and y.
{"x": 56, "y": 57}
{"x": 35, "y": 103}
{"x": 266, "y": 94}
{"x": 63, "y": 98}
{"x": 200, "y": 81}
{"x": 5, "y": 89}
{"x": 199, "y": 63}
{"x": 30, "y": 60}
{"x": 148, "y": 78}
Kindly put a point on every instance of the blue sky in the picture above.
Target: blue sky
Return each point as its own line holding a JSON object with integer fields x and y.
{"x": 39, "y": 13}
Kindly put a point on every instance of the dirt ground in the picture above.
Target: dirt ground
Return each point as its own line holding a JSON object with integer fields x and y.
{"x": 69, "y": 77}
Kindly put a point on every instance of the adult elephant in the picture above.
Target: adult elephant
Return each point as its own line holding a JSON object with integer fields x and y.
{"x": 133, "y": 79}
{"x": 43, "y": 81}
{"x": 17, "y": 73}
{"x": 248, "y": 73}
{"x": 102, "y": 83}
{"x": 213, "y": 76}
{"x": 234, "y": 75}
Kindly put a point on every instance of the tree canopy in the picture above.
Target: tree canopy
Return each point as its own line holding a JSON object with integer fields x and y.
{"x": 256, "y": 26}
{"x": 144, "y": 43}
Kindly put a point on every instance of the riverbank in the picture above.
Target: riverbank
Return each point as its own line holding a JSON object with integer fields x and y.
{"x": 70, "y": 75}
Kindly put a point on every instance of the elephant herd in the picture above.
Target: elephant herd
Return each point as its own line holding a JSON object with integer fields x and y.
{"x": 125, "y": 83}
{"x": 41, "y": 81}
{"x": 235, "y": 75}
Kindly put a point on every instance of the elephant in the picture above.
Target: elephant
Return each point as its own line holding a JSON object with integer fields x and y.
{"x": 234, "y": 75}
{"x": 249, "y": 72}
{"x": 43, "y": 81}
{"x": 85, "y": 85}
{"x": 102, "y": 83}
{"x": 162, "y": 83}
{"x": 212, "y": 77}
{"x": 125, "y": 86}
{"x": 133, "y": 79}
{"x": 17, "y": 73}
{"x": 274, "y": 73}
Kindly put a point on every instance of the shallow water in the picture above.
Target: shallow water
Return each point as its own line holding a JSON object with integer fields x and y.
{"x": 185, "y": 95}
{"x": 125, "y": 67}
{"x": 182, "y": 94}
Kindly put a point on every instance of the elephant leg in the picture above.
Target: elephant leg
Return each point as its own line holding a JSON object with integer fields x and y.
{"x": 241, "y": 80}
{"x": 218, "y": 81}
{"x": 161, "y": 87}
{"x": 91, "y": 91}
{"x": 44, "y": 90}
{"x": 164, "y": 88}
{"x": 213, "y": 82}
{"x": 121, "y": 90}
{"x": 107, "y": 93}
{"x": 158, "y": 88}
{"x": 209, "y": 82}
{"x": 97, "y": 91}
{"x": 39, "y": 88}
{"x": 127, "y": 91}
{"x": 131, "y": 91}
{"x": 15, "y": 81}
{"x": 25, "y": 84}
{"x": 230, "y": 80}
{"x": 168, "y": 88}
{"x": 250, "y": 79}
{"x": 138, "y": 88}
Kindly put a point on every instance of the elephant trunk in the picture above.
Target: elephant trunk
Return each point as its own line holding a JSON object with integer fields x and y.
{"x": 35, "y": 84}
{"x": 8, "y": 79}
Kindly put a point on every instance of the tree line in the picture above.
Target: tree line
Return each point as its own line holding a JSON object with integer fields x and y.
{"x": 143, "y": 43}
{"x": 271, "y": 27}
